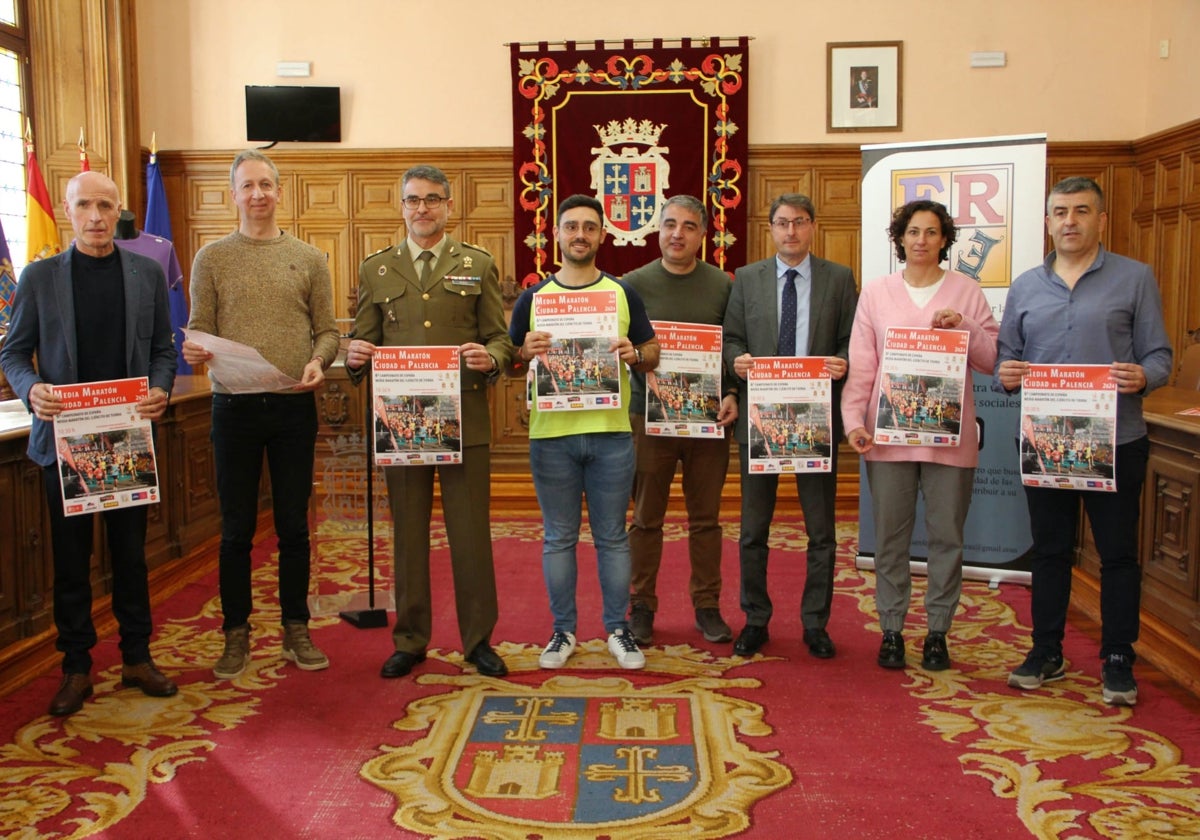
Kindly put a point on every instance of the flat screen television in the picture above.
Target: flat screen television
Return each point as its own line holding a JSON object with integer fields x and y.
{"x": 293, "y": 113}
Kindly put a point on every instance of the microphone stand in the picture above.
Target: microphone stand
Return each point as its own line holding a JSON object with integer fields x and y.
{"x": 371, "y": 616}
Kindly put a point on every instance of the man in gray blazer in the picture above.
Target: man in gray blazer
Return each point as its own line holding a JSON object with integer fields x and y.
{"x": 90, "y": 314}
{"x": 814, "y": 301}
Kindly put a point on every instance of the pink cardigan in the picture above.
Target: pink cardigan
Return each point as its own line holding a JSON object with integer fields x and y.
{"x": 886, "y": 303}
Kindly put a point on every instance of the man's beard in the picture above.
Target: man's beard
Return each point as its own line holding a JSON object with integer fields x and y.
{"x": 579, "y": 262}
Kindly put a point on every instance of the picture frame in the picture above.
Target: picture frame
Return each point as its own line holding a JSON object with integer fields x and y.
{"x": 864, "y": 86}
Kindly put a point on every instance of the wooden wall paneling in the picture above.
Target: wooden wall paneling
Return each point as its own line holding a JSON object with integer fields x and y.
{"x": 1168, "y": 187}
{"x": 194, "y": 490}
{"x": 510, "y": 425}
{"x": 159, "y": 550}
{"x": 322, "y": 195}
{"x": 83, "y": 77}
{"x": 285, "y": 209}
{"x": 1168, "y": 180}
{"x": 37, "y": 581}
{"x": 1189, "y": 273}
{"x": 760, "y": 245}
{"x": 1145, "y": 187}
{"x": 1143, "y": 243}
{"x": 1165, "y": 259}
{"x": 332, "y": 238}
{"x": 1169, "y": 535}
{"x": 838, "y": 192}
{"x": 1119, "y": 200}
{"x": 487, "y": 195}
{"x": 769, "y": 182}
{"x": 841, "y": 242}
{"x": 11, "y": 557}
{"x": 127, "y": 167}
{"x": 207, "y": 197}
{"x": 375, "y": 195}
{"x": 1189, "y": 179}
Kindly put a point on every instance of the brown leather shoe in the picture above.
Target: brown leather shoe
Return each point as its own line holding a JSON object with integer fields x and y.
{"x": 74, "y": 690}
{"x": 149, "y": 679}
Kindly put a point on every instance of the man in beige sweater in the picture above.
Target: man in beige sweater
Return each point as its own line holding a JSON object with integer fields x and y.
{"x": 264, "y": 288}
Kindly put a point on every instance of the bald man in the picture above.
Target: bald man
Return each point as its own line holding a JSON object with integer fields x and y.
{"x": 89, "y": 314}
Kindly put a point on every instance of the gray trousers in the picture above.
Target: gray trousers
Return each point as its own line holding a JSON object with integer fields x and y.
{"x": 947, "y": 491}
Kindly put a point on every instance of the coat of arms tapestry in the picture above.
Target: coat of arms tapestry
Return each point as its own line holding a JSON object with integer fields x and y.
{"x": 632, "y": 125}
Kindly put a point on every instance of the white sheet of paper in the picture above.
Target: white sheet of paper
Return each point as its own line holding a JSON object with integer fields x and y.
{"x": 238, "y": 368}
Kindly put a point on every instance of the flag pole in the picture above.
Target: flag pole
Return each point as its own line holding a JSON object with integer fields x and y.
{"x": 84, "y": 164}
{"x": 372, "y": 616}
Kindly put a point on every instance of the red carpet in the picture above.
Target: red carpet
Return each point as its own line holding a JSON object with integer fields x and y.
{"x": 785, "y": 745}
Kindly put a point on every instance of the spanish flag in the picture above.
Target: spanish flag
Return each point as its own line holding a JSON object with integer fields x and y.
{"x": 42, "y": 232}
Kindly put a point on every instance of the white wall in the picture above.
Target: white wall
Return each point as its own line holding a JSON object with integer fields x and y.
{"x": 420, "y": 74}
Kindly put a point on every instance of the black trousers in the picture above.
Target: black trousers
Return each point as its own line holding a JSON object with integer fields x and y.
{"x": 72, "y": 540}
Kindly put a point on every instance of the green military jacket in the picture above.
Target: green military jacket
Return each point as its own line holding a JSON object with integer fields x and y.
{"x": 459, "y": 303}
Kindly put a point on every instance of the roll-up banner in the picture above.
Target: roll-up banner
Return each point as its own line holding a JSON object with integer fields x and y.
{"x": 994, "y": 188}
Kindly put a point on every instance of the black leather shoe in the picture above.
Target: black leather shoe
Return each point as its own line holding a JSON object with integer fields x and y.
{"x": 487, "y": 661}
{"x": 400, "y": 663}
{"x": 751, "y": 639}
{"x": 152, "y": 682}
{"x": 934, "y": 656}
{"x": 819, "y": 644}
{"x": 74, "y": 690}
{"x": 891, "y": 650}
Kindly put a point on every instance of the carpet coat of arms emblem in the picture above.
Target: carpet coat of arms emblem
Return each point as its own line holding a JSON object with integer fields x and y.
{"x": 578, "y": 756}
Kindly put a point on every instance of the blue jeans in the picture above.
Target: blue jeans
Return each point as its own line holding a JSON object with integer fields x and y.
{"x": 598, "y": 466}
{"x": 244, "y": 426}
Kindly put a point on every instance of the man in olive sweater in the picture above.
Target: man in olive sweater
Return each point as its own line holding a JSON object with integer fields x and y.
{"x": 264, "y": 288}
{"x": 679, "y": 287}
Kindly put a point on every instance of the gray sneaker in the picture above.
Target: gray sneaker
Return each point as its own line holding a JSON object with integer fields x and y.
{"x": 237, "y": 653}
{"x": 1040, "y": 666}
{"x": 298, "y": 647}
{"x": 641, "y": 623}
{"x": 1120, "y": 688}
{"x": 712, "y": 626}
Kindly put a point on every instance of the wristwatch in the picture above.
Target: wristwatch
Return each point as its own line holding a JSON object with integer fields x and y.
{"x": 637, "y": 351}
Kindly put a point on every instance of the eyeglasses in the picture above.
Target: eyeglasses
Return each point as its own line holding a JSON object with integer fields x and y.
{"x": 433, "y": 202}
{"x": 572, "y": 228}
{"x": 799, "y": 224}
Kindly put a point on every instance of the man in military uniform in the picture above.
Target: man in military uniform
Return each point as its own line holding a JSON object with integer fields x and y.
{"x": 432, "y": 289}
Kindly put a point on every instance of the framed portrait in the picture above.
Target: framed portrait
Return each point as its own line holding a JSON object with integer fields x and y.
{"x": 865, "y": 86}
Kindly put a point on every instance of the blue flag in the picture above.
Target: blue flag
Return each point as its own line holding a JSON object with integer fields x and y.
{"x": 158, "y": 220}
{"x": 8, "y": 281}
{"x": 158, "y": 223}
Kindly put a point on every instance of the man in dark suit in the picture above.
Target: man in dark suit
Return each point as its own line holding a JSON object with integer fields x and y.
{"x": 816, "y": 323}
{"x": 90, "y": 314}
{"x": 434, "y": 290}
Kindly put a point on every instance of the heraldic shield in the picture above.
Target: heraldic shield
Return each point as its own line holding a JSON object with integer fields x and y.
{"x": 630, "y": 184}
{"x": 579, "y": 757}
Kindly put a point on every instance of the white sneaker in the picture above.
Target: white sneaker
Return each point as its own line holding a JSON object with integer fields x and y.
{"x": 622, "y": 646}
{"x": 556, "y": 654}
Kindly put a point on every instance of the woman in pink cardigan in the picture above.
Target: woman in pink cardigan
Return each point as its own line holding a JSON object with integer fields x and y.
{"x": 922, "y": 294}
